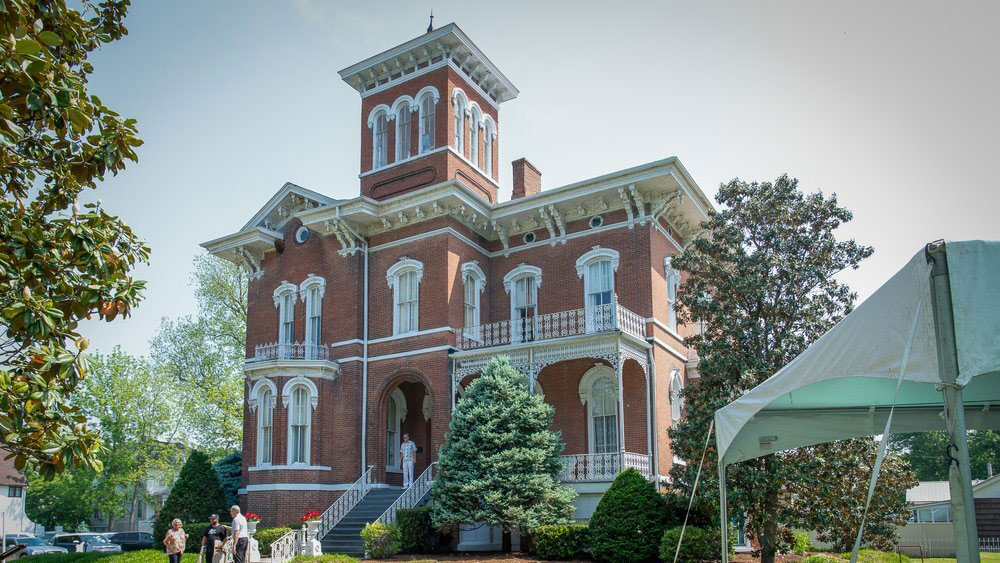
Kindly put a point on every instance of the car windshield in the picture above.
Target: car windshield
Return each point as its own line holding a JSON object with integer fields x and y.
{"x": 30, "y": 541}
{"x": 94, "y": 539}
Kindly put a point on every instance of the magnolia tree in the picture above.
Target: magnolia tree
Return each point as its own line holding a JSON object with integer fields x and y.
{"x": 764, "y": 285}
{"x": 60, "y": 262}
{"x": 500, "y": 464}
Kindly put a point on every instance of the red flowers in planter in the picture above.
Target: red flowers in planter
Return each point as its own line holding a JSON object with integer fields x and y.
{"x": 310, "y": 516}
{"x": 251, "y": 517}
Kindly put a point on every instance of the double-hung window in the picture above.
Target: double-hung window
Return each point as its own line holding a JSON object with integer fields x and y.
{"x": 312, "y": 291}
{"x": 381, "y": 147}
{"x": 459, "y": 106}
{"x": 525, "y": 308}
{"x": 673, "y": 283}
{"x": 404, "y": 279}
{"x": 265, "y": 422}
{"x": 403, "y": 120}
{"x": 298, "y": 426}
{"x": 604, "y": 416}
{"x": 427, "y": 122}
{"x": 488, "y": 149}
{"x": 473, "y": 282}
{"x": 287, "y": 319}
{"x": 597, "y": 268}
{"x": 284, "y": 300}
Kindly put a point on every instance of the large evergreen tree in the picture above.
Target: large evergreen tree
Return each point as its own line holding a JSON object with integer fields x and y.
{"x": 764, "y": 284}
{"x": 230, "y": 472}
{"x": 194, "y": 497}
{"x": 500, "y": 463}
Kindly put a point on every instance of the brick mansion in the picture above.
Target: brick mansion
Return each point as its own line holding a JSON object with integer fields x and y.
{"x": 367, "y": 317}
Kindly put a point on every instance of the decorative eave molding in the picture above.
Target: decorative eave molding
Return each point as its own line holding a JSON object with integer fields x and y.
{"x": 596, "y": 253}
{"x": 520, "y": 271}
{"x": 286, "y": 390}
{"x": 286, "y": 288}
{"x": 404, "y": 264}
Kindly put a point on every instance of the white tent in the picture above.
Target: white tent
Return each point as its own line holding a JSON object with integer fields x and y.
{"x": 927, "y": 342}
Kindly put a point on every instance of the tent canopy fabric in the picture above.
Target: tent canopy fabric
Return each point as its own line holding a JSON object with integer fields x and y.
{"x": 843, "y": 385}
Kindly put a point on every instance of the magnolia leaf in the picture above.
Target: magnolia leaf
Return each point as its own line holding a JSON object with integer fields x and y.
{"x": 27, "y": 47}
{"x": 50, "y": 39}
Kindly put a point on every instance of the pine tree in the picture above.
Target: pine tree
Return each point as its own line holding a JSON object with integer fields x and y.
{"x": 194, "y": 497}
{"x": 500, "y": 464}
{"x": 230, "y": 472}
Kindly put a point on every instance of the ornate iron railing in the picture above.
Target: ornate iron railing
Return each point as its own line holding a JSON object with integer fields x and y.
{"x": 345, "y": 502}
{"x": 586, "y": 320}
{"x": 603, "y": 467}
{"x": 410, "y": 496}
{"x": 283, "y": 548}
{"x": 290, "y": 351}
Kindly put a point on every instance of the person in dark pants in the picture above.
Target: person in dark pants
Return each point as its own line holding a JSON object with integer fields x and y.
{"x": 215, "y": 532}
{"x": 240, "y": 537}
{"x": 175, "y": 540}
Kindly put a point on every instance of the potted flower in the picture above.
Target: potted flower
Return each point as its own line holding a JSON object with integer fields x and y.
{"x": 252, "y": 520}
{"x": 312, "y": 520}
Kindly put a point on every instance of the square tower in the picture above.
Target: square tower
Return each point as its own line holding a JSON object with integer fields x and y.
{"x": 429, "y": 113}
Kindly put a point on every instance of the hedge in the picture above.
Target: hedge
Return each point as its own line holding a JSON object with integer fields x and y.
{"x": 266, "y": 536}
{"x": 561, "y": 542}
{"x": 143, "y": 556}
{"x": 324, "y": 559}
{"x": 381, "y": 540}
{"x": 627, "y": 524}
{"x": 704, "y": 514}
{"x": 700, "y": 544}
{"x": 417, "y": 533}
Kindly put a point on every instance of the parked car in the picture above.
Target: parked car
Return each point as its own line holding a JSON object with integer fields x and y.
{"x": 132, "y": 540}
{"x": 47, "y": 536}
{"x": 86, "y": 542}
{"x": 33, "y": 546}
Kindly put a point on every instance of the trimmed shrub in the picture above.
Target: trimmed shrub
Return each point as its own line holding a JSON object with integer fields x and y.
{"x": 194, "y": 496}
{"x": 876, "y": 556}
{"x": 381, "y": 540}
{"x": 324, "y": 559}
{"x": 561, "y": 542}
{"x": 417, "y": 533}
{"x": 704, "y": 514}
{"x": 800, "y": 543}
{"x": 700, "y": 544}
{"x": 143, "y": 556}
{"x": 627, "y": 525}
{"x": 266, "y": 536}
{"x": 820, "y": 559}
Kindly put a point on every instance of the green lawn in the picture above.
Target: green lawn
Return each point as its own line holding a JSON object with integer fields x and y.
{"x": 983, "y": 557}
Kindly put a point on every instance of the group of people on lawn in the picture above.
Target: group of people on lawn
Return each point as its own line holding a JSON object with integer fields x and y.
{"x": 214, "y": 544}
{"x": 214, "y": 541}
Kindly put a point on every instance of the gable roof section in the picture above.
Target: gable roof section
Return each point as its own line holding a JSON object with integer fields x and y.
{"x": 291, "y": 198}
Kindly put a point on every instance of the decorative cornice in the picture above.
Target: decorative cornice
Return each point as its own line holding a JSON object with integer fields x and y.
{"x": 286, "y": 390}
{"x": 472, "y": 267}
{"x": 522, "y": 270}
{"x": 258, "y": 387}
{"x": 312, "y": 281}
{"x": 286, "y": 288}
{"x": 596, "y": 253}
{"x": 405, "y": 264}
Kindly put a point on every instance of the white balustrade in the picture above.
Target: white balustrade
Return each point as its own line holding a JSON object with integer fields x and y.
{"x": 345, "y": 502}
{"x": 283, "y": 548}
{"x": 588, "y": 320}
{"x": 411, "y": 496}
{"x": 290, "y": 351}
{"x": 603, "y": 467}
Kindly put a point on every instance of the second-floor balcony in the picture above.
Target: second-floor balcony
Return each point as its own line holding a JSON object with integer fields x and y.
{"x": 597, "y": 319}
{"x": 603, "y": 467}
{"x": 290, "y": 351}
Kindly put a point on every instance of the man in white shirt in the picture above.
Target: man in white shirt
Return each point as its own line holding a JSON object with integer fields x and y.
{"x": 240, "y": 536}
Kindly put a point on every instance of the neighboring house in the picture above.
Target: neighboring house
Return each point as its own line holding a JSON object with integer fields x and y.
{"x": 13, "y": 488}
{"x": 369, "y": 316}
{"x": 140, "y": 517}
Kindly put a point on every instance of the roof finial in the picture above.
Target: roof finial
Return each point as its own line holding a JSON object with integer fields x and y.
{"x": 430, "y": 26}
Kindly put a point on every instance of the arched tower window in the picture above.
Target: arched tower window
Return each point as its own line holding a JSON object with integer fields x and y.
{"x": 404, "y": 128}
{"x": 427, "y": 99}
{"x": 489, "y": 134}
{"x": 459, "y": 108}
{"x": 476, "y": 117}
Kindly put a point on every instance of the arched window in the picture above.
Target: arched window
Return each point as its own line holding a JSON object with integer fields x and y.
{"x": 299, "y": 418}
{"x": 284, "y": 300}
{"x": 673, "y": 283}
{"x": 312, "y": 290}
{"x": 395, "y": 414}
{"x": 521, "y": 284}
{"x": 597, "y": 267}
{"x": 404, "y": 119}
{"x": 404, "y": 279}
{"x": 599, "y": 390}
{"x": 474, "y": 282}
{"x": 476, "y": 117}
{"x": 262, "y": 399}
{"x": 676, "y": 397}
{"x": 459, "y": 109}
{"x": 381, "y": 149}
{"x": 489, "y": 134}
{"x": 427, "y": 99}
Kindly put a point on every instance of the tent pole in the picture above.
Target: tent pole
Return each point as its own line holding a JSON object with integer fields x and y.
{"x": 963, "y": 505}
{"x": 722, "y": 512}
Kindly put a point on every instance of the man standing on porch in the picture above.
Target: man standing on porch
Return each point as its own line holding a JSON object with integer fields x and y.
{"x": 407, "y": 453}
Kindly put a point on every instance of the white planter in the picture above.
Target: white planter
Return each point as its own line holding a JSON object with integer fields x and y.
{"x": 251, "y": 528}
{"x": 313, "y": 528}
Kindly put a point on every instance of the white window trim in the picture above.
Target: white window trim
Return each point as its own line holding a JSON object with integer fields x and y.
{"x": 258, "y": 389}
{"x": 676, "y": 398}
{"x": 475, "y": 122}
{"x": 459, "y": 111}
{"x": 401, "y": 103}
{"x": 372, "y": 121}
{"x": 479, "y": 279}
{"x": 286, "y": 396}
{"x": 585, "y": 389}
{"x": 673, "y": 276}
{"x": 520, "y": 272}
{"x": 596, "y": 254}
{"x": 312, "y": 281}
{"x": 392, "y": 275}
{"x": 285, "y": 289}
{"x": 423, "y": 93}
{"x": 400, "y": 400}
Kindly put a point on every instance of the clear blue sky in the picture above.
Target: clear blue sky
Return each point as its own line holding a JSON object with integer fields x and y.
{"x": 892, "y": 105}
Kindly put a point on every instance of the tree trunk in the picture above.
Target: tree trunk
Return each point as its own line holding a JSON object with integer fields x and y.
{"x": 507, "y": 543}
{"x": 769, "y": 535}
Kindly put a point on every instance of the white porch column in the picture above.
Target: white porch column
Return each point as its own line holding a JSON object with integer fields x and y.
{"x": 621, "y": 401}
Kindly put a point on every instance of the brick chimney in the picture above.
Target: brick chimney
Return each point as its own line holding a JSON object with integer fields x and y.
{"x": 527, "y": 179}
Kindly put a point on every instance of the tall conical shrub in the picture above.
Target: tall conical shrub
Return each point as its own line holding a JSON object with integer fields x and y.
{"x": 627, "y": 524}
{"x": 194, "y": 497}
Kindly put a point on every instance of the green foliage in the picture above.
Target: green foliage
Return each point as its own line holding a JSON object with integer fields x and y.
{"x": 801, "y": 544}
{"x": 205, "y": 353}
{"x": 266, "y": 536}
{"x": 927, "y": 453}
{"x": 700, "y": 544}
{"x": 830, "y": 500}
{"x": 561, "y": 542}
{"x": 194, "y": 497}
{"x": 143, "y": 556}
{"x": 417, "y": 532}
{"x": 704, "y": 512}
{"x": 324, "y": 559}
{"x": 230, "y": 471}
{"x": 820, "y": 559}
{"x": 64, "y": 500}
{"x": 627, "y": 524}
{"x": 381, "y": 540}
{"x": 500, "y": 463}
{"x": 875, "y": 556}
{"x": 195, "y": 531}
{"x": 765, "y": 286}
{"x": 60, "y": 263}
